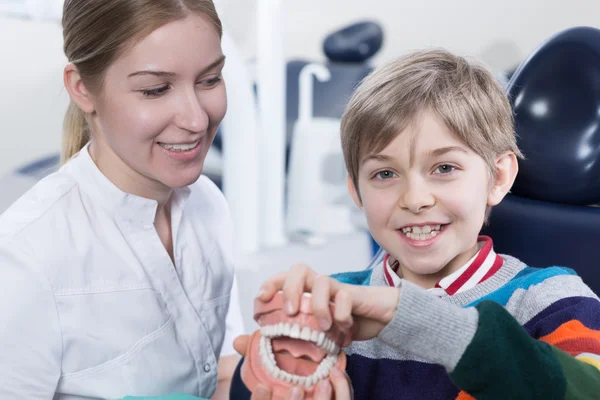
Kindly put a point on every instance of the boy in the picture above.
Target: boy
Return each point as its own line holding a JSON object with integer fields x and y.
{"x": 430, "y": 147}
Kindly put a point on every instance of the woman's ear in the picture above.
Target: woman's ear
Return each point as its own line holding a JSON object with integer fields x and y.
{"x": 507, "y": 167}
{"x": 76, "y": 89}
{"x": 354, "y": 193}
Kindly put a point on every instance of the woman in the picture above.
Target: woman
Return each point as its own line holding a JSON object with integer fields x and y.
{"x": 117, "y": 269}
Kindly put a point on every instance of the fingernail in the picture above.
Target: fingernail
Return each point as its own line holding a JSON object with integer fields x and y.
{"x": 296, "y": 394}
{"x": 261, "y": 293}
{"x": 324, "y": 324}
{"x": 289, "y": 307}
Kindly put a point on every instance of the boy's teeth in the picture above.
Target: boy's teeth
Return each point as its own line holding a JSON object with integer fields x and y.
{"x": 422, "y": 232}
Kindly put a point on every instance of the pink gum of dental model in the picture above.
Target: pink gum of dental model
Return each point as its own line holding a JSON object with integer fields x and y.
{"x": 271, "y": 313}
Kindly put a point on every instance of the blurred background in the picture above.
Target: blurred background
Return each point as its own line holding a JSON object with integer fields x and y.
{"x": 291, "y": 68}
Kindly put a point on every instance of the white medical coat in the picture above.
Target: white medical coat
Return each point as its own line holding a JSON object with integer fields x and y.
{"x": 91, "y": 305}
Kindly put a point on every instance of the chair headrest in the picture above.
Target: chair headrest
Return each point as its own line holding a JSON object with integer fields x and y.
{"x": 555, "y": 95}
{"x": 355, "y": 43}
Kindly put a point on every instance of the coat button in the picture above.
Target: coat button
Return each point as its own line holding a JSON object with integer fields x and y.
{"x": 207, "y": 367}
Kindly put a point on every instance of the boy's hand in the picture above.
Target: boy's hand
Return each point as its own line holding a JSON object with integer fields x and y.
{"x": 368, "y": 309}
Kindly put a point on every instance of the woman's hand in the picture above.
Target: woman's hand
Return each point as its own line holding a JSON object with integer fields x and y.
{"x": 367, "y": 309}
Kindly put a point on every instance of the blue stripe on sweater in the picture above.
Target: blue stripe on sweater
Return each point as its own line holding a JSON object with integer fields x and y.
{"x": 523, "y": 280}
{"x": 384, "y": 379}
{"x": 583, "y": 309}
{"x": 528, "y": 277}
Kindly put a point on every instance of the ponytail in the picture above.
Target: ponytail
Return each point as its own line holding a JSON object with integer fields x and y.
{"x": 76, "y": 132}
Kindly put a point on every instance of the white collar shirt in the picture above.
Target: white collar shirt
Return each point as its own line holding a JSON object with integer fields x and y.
{"x": 92, "y": 304}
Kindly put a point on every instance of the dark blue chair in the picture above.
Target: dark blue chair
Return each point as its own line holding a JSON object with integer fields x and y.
{"x": 355, "y": 43}
{"x": 551, "y": 215}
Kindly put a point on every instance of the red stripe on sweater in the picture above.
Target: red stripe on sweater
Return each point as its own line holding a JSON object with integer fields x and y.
{"x": 465, "y": 276}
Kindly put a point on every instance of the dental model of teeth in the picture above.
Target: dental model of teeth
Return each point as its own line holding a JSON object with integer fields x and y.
{"x": 296, "y": 332}
{"x": 422, "y": 232}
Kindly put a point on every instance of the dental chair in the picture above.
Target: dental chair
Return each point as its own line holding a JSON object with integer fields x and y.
{"x": 317, "y": 201}
{"x": 348, "y": 52}
{"x": 551, "y": 217}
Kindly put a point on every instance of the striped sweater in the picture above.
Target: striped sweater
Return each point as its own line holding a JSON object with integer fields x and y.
{"x": 524, "y": 333}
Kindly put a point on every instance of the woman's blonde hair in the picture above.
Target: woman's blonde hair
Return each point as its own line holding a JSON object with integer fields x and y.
{"x": 95, "y": 32}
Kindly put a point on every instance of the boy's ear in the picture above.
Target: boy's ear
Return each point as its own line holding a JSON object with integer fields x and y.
{"x": 353, "y": 192}
{"x": 507, "y": 167}
{"x": 76, "y": 89}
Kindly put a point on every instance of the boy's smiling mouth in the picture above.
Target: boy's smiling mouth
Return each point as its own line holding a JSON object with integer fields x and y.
{"x": 422, "y": 232}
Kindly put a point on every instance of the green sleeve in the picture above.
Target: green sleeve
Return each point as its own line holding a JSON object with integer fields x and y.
{"x": 504, "y": 362}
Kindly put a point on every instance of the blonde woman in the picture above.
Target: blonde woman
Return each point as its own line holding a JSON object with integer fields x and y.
{"x": 116, "y": 271}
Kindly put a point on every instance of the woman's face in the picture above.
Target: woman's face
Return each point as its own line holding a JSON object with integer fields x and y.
{"x": 159, "y": 108}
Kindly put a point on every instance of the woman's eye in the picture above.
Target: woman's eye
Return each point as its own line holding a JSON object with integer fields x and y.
{"x": 155, "y": 92}
{"x": 444, "y": 169}
{"x": 383, "y": 175}
{"x": 212, "y": 81}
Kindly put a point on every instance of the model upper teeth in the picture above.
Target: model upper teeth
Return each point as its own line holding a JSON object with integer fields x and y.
{"x": 178, "y": 147}
{"x": 422, "y": 232}
{"x": 295, "y": 331}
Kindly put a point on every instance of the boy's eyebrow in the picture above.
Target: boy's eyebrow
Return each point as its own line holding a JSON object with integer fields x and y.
{"x": 159, "y": 74}
{"x": 377, "y": 157}
{"x": 444, "y": 150}
{"x": 431, "y": 153}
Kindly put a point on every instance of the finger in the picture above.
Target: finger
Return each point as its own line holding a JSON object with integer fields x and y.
{"x": 295, "y": 393}
{"x": 323, "y": 391}
{"x": 320, "y": 300}
{"x": 294, "y": 286}
{"x": 377, "y": 303}
{"x": 261, "y": 393}
{"x": 272, "y": 286}
{"x": 342, "y": 386}
{"x": 240, "y": 344}
{"x": 343, "y": 309}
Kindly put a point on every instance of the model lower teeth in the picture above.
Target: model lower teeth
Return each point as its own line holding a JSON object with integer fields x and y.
{"x": 296, "y": 332}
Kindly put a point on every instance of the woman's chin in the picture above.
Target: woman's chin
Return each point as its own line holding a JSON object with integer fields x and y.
{"x": 181, "y": 179}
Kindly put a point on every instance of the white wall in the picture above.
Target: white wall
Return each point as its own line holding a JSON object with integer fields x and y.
{"x": 500, "y": 32}
{"x": 32, "y": 97}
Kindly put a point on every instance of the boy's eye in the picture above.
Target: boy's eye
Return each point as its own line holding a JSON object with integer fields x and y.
{"x": 155, "y": 92}
{"x": 385, "y": 175}
{"x": 444, "y": 169}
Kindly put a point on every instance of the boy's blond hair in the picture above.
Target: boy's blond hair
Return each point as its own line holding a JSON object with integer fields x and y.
{"x": 467, "y": 97}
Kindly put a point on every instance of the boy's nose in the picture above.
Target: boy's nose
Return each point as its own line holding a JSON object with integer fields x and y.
{"x": 417, "y": 197}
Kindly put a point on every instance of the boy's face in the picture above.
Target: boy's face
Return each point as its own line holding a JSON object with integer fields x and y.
{"x": 425, "y": 197}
